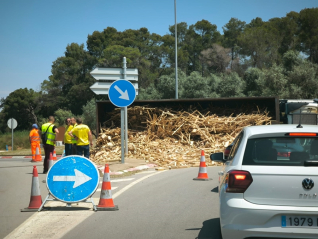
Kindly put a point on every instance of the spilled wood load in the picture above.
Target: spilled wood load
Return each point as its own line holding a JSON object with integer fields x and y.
{"x": 171, "y": 139}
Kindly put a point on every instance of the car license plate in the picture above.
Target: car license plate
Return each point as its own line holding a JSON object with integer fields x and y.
{"x": 299, "y": 221}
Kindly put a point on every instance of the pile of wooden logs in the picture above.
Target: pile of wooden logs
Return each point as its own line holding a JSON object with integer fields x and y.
{"x": 171, "y": 139}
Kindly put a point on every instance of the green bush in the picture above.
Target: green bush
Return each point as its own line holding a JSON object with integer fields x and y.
{"x": 20, "y": 140}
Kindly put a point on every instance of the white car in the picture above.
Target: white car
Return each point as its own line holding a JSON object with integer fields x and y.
{"x": 265, "y": 193}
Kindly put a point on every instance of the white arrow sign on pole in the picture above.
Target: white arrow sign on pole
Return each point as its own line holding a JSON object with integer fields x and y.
{"x": 79, "y": 178}
{"x": 101, "y": 88}
{"x": 124, "y": 95}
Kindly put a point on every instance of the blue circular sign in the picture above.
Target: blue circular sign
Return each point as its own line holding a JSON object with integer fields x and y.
{"x": 72, "y": 179}
{"x": 122, "y": 93}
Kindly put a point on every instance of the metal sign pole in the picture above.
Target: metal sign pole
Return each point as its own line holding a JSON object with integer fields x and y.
{"x": 122, "y": 133}
{"x": 12, "y": 133}
{"x": 126, "y": 112}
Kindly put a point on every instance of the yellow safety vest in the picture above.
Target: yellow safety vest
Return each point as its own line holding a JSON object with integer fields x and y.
{"x": 50, "y": 134}
{"x": 74, "y": 141}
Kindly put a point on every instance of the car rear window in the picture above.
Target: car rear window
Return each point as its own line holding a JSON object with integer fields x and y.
{"x": 280, "y": 151}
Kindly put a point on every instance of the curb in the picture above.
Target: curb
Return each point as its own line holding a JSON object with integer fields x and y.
{"x": 25, "y": 157}
{"x": 101, "y": 168}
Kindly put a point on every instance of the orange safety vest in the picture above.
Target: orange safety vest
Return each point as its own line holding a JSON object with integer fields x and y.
{"x": 35, "y": 144}
{"x": 34, "y": 136}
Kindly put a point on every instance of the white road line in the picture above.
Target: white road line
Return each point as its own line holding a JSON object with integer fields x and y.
{"x": 99, "y": 189}
{"x": 60, "y": 222}
{"x": 146, "y": 172}
{"x": 135, "y": 182}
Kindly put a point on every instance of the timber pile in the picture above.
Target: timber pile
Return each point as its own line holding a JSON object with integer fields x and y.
{"x": 172, "y": 139}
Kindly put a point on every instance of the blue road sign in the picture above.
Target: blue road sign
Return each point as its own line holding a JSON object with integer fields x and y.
{"x": 72, "y": 179}
{"x": 122, "y": 93}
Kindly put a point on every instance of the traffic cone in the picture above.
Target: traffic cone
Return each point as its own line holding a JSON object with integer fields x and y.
{"x": 51, "y": 162}
{"x": 38, "y": 156}
{"x": 54, "y": 155}
{"x": 36, "y": 199}
{"x": 106, "y": 202}
{"x": 203, "y": 174}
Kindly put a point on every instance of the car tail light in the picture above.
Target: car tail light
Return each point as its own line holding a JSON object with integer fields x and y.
{"x": 301, "y": 134}
{"x": 238, "y": 181}
{"x": 286, "y": 154}
{"x": 227, "y": 151}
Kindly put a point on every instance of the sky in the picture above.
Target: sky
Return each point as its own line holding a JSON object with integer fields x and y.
{"x": 34, "y": 33}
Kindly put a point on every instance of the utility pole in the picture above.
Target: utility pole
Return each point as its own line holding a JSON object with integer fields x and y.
{"x": 176, "y": 45}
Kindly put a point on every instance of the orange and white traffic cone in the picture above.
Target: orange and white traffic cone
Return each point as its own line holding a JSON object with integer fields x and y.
{"x": 54, "y": 155}
{"x": 203, "y": 174}
{"x": 51, "y": 162}
{"x": 36, "y": 199}
{"x": 38, "y": 156}
{"x": 106, "y": 201}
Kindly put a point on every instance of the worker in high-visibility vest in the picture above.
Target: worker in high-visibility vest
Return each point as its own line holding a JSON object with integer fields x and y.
{"x": 51, "y": 132}
{"x": 34, "y": 138}
{"x": 67, "y": 138}
{"x": 74, "y": 139}
{"x": 84, "y": 138}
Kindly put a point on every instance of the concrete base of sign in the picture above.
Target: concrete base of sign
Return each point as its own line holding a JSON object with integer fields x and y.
{"x": 107, "y": 208}
{"x": 202, "y": 179}
{"x": 29, "y": 210}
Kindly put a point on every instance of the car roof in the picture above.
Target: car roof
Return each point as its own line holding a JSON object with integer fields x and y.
{"x": 279, "y": 128}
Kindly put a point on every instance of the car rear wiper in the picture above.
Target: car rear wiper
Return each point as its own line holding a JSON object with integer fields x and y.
{"x": 311, "y": 163}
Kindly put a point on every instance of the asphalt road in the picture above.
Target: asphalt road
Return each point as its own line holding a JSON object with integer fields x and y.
{"x": 167, "y": 204}
{"x": 15, "y": 190}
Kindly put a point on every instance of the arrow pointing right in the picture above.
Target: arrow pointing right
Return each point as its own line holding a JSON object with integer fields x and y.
{"x": 79, "y": 178}
{"x": 124, "y": 95}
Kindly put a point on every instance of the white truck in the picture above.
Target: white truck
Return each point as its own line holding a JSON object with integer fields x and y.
{"x": 291, "y": 111}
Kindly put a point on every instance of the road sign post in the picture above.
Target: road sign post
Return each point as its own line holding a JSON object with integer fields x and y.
{"x": 105, "y": 78}
{"x": 12, "y": 124}
{"x": 72, "y": 179}
{"x": 126, "y": 112}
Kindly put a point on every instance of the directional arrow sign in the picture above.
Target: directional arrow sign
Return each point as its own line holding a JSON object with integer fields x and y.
{"x": 102, "y": 88}
{"x": 122, "y": 93}
{"x": 72, "y": 179}
{"x": 79, "y": 178}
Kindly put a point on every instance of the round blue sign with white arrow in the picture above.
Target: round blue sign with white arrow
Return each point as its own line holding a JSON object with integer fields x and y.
{"x": 72, "y": 179}
{"x": 122, "y": 93}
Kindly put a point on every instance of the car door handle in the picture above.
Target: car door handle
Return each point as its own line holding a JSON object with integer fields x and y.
{"x": 221, "y": 173}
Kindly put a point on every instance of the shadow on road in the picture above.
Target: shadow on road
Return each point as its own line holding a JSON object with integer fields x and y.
{"x": 215, "y": 190}
{"x": 210, "y": 230}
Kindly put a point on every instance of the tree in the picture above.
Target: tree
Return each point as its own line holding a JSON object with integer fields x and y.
{"x": 216, "y": 58}
{"x": 274, "y": 82}
{"x": 68, "y": 86}
{"x": 261, "y": 45}
{"x": 21, "y": 104}
{"x": 231, "y": 85}
{"x": 308, "y": 34}
{"x": 89, "y": 115}
{"x": 166, "y": 85}
{"x": 232, "y": 30}
{"x": 252, "y": 77}
{"x": 195, "y": 86}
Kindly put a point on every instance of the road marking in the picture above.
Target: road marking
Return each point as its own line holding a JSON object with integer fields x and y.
{"x": 59, "y": 222}
{"x": 146, "y": 172}
{"x": 135, "y": 182}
